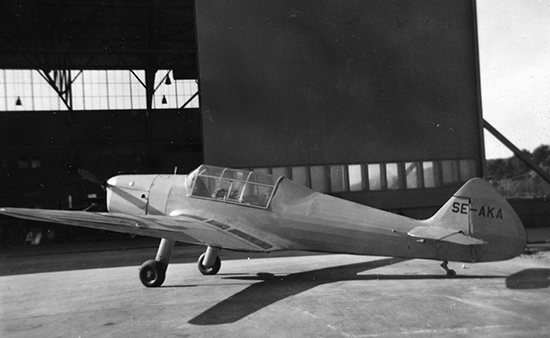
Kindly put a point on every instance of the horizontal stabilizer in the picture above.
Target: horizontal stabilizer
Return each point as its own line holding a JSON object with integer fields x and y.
{"x": 443, "y": 234}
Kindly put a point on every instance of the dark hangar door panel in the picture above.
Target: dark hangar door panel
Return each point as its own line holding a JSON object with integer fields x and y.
{"x": 325, "y": 81}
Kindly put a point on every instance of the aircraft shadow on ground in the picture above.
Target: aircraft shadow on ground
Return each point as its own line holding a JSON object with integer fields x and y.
{"x": 529, "y": 279}
{"x": 272, "y": 288}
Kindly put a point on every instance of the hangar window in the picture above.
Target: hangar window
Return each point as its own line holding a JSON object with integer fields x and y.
{"x": 449, "y": 169}
{"x": 280, "y": 171}
{"x": 337, "y": 178}
{"x": 375, "y": 176}
{"x": 412, "y": 175}
{"x": 355, "y": 175}
{"x": 467, "y": 169}
{"x": 36, "y": 163}
{"x": 430, "y": 174}
{"x": 23, "y": 163}
{"x": 392, "y": 176}
{"x": 117, "y": 82}
{"x": 95, "y": 89}
{"x": 26, "y": 163}
{"x": 265, "y": 171}
{"x": 318, "y": 178}
{"x": 39, "y": 90}
{"x": 299, "y": 175}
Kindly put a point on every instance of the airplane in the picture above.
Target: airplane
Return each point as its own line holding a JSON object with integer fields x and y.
{"x": 240, "y": 210}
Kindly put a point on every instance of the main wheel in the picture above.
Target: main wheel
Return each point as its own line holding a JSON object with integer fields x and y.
{"x": 212, "y": 270}
{"x": 152, "y": 273}
{"x": 451, "y": 273}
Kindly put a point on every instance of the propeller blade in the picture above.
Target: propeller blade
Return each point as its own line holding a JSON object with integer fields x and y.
{"x": 91, "y": 177}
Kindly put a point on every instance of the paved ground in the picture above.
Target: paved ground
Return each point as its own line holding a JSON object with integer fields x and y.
{"x": 66, "y": 293}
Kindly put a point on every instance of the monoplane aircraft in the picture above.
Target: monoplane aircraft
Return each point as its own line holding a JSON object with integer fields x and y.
{"x": 240, "y": 210}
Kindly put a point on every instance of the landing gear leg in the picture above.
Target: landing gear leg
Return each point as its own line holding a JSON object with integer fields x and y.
{"x": 153, "y": 272}
{"x": 209, "y": 263}
{"x": 450, "y": 272}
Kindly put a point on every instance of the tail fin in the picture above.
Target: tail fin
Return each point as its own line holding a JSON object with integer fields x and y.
{"x": 477, "y": 210}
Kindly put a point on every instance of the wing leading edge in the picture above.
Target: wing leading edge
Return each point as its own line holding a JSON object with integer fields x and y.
{"x": 180, "y": 228}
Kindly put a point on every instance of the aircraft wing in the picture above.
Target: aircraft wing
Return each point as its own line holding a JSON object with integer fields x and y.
{"x": 444, "y": 234}
{"x": 187, "y": 229}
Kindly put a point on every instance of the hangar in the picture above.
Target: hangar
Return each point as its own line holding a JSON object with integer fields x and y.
{"x": 377, "y": 102}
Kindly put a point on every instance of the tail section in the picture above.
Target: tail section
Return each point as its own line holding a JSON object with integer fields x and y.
{"x": 480, "y": 213}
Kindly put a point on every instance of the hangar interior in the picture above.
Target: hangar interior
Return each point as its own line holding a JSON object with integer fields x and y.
{"x": 377, "y": 102}
{"x": 105, "y": 86}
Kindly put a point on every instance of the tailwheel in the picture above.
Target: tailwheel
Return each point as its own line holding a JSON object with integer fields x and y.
{"x": 209, "y": 270}
{"x": 450, "y": 272}
{"x": 152, "y": 273}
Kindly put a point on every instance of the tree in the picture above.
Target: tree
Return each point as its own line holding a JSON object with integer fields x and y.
{"x": 541, "y": 155}
{"x": 513, "y": 178}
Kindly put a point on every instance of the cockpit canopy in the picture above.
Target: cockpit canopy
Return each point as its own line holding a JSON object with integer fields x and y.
{"x": 232, "y": 186}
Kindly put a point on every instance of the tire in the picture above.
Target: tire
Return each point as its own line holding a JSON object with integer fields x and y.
{"x": 152, "y": 273}
{"x": 451, "y": 273}
{"x": 209, "y": 270}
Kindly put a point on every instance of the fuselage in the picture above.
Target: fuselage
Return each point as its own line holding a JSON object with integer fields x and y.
{"x": 296, "y": 218}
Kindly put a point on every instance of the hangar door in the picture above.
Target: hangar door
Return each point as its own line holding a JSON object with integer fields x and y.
{"x": 324, "y": 81}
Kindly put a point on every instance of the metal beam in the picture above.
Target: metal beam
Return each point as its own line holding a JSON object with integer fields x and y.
{"x": 188, "y": 101}
{"x": 61, "y": 82}
{"x": 527, "y": 160}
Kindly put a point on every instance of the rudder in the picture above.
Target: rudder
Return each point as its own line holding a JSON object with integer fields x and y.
{"x": 479, "y": 211}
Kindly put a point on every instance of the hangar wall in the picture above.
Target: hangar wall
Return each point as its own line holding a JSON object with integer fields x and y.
{"x": 330, "y": 81}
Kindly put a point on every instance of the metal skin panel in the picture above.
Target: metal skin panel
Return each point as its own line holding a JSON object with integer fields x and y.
{"x": 302, "y": 219}
{"x": 157, "y": 196}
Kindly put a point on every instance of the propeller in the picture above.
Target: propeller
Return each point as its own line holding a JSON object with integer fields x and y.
{"x": 88, "y": 176}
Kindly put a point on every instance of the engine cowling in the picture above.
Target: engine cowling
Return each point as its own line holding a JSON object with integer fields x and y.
{"x": 129, "y": 194}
